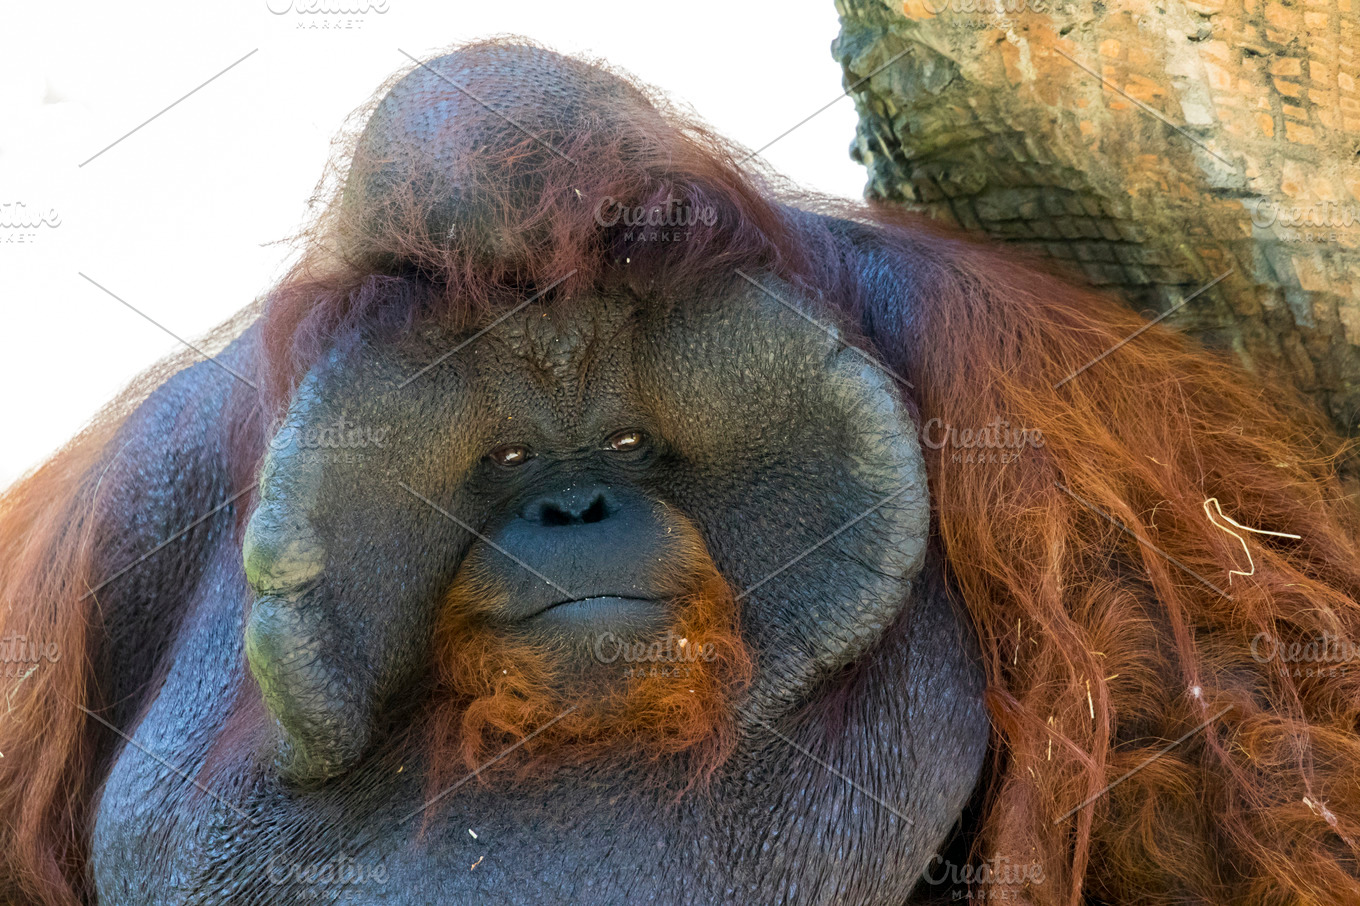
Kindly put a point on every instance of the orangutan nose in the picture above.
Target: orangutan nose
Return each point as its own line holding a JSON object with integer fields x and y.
{"x": 573, "y": 506}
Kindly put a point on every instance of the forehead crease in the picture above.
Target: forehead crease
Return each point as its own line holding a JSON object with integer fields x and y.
{"x": 570, "y": 366}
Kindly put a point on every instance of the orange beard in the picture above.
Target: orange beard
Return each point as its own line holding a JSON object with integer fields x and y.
{"x": 640, "y": 698}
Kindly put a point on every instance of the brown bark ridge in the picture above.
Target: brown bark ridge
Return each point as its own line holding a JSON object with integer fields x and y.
{"x": 1150, "y": 146}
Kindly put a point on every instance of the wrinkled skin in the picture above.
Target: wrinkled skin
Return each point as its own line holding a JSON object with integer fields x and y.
{"x": 861, "y": 736}
{"x": 276, "y": 683}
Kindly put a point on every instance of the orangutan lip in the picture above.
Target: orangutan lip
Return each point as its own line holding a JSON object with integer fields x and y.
{"x": 596, "y": 607}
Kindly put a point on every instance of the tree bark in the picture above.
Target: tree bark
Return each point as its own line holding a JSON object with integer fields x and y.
{"x": 1151, "y": 147}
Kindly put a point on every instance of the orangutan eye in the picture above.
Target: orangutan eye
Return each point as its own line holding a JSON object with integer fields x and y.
{"x": 626, "y": 440}
{"x": 511, "y": 455}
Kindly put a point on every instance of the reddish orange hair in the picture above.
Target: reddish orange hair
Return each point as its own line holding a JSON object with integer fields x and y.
{"x": 1111, "y": 617}
{"x": 671, "y": 697}
{"x": 47, "y": 527}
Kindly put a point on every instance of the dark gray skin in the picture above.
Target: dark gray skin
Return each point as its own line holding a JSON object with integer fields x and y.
{"x": 862, "y": 735}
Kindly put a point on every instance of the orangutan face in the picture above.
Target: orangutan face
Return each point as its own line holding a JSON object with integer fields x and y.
{"x": 607, "y": 481}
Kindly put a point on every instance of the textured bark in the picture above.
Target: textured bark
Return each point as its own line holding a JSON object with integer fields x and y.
{"x": 994, "y": 118}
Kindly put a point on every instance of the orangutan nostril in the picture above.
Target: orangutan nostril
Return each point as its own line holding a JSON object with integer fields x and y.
{"x": 569, "y": 508}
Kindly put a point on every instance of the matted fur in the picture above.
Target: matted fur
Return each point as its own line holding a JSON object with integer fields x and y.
{"x": 1101, "y": 648}
{"x": 646, "y": 698}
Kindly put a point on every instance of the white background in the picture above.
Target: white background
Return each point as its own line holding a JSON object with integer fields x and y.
{"x": 183, "y": 218}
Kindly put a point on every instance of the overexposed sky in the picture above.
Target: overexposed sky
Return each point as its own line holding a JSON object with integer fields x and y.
{"x": 181, "y": 218}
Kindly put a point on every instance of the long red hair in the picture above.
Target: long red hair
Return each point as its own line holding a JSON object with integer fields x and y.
{"x": 1115, "y": 615}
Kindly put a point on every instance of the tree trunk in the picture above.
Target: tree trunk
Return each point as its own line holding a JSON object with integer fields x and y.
{"x": 1150, "y": 147}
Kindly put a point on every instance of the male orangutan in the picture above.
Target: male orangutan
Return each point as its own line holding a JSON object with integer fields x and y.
{"x": 591, "y": 518}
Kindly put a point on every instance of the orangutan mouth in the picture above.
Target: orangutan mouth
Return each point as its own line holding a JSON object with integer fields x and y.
{"x": 601, "y": 610}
